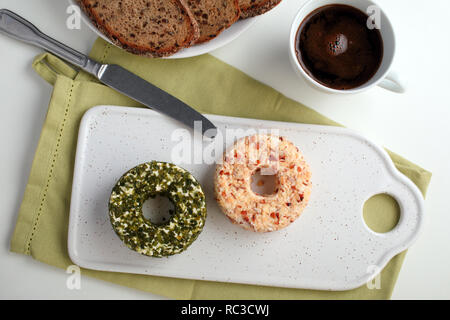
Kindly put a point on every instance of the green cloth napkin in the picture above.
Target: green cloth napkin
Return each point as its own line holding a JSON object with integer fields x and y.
{"x": 209, "y": 85}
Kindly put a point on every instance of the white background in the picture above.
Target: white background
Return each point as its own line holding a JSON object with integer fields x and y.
{"x": 415, "y": 125}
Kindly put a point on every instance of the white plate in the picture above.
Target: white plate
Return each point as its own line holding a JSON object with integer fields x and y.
{"x": 329, "y": 247}
{"x": 224, "y": 38}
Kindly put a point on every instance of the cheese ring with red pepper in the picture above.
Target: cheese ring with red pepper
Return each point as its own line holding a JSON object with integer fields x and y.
{"x": 270, "y": 155}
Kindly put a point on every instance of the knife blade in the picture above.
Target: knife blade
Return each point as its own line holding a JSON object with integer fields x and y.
{"x": 114, "y": 76}
{"x": 142, "y": 91}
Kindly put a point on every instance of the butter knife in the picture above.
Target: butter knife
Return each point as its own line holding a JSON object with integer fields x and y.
{"x": 113, "y": 76}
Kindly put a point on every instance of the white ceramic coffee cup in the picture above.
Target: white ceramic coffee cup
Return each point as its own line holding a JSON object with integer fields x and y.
{"x": 384, "y": 77}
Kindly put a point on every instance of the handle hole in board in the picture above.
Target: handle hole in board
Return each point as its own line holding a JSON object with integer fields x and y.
{"x": 381, "y": 213}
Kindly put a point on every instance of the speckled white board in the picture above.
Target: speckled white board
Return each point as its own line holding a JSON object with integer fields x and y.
{"x": 328, "y": 248}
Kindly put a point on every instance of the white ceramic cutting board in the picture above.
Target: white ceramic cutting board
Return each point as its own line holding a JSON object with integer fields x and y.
{"x": 329, "y": 247}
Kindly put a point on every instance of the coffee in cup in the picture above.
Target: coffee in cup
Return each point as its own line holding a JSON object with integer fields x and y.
{"x": 336, "y": 48}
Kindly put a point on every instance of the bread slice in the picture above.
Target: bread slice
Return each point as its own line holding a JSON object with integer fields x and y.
{"x": 213, "y": 16}
{"x": 154, "y": 28}
{"x": 252, "y": 8}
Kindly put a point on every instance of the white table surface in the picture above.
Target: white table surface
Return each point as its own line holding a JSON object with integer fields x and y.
{"x": 414, "y": 124}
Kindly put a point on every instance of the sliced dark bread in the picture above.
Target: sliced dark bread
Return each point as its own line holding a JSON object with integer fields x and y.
{"x": 154, "y": 28}
{"x": 213, "y": 16}
{"x": 252, "y": 8}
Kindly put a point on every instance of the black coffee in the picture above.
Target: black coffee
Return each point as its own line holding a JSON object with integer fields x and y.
{"x": 336, "y": 48}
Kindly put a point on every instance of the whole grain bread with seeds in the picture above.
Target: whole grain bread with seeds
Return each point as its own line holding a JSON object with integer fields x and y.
{"x": 213, "y": 16}
{"x": 252, "y": 8}
{"x": 154, "y": 28}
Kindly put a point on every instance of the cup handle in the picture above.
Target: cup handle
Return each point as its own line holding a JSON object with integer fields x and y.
{"x": 392, "y": 83}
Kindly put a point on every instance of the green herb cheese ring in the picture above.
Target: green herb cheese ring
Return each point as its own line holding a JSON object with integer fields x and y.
{"x": 146, "y": 181}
